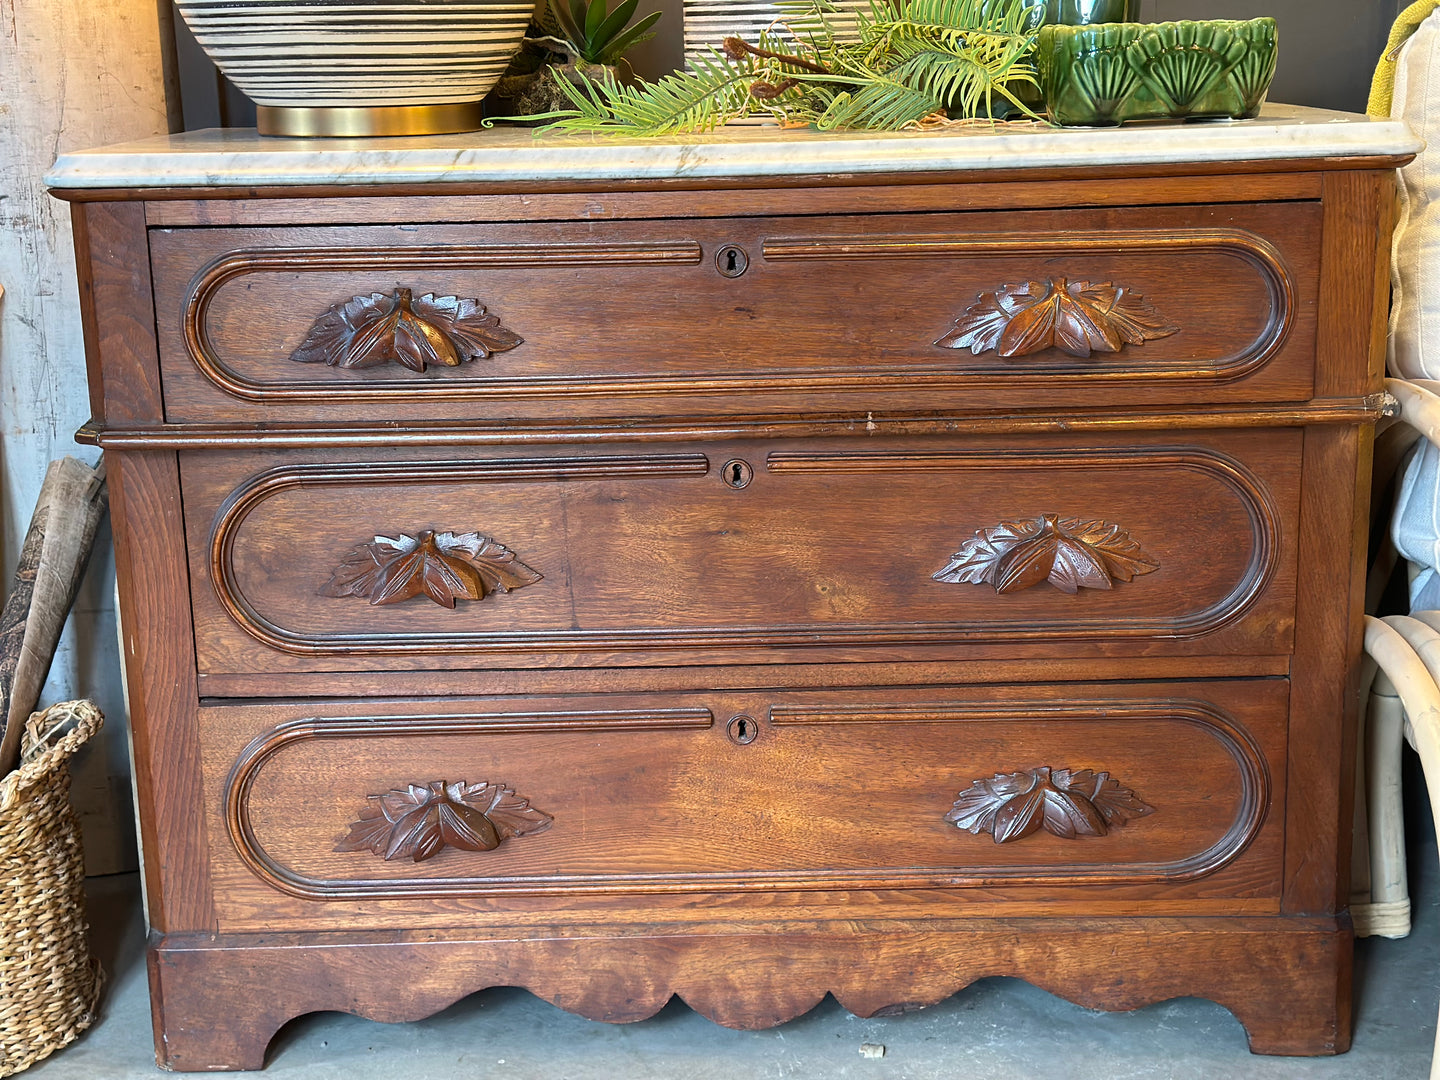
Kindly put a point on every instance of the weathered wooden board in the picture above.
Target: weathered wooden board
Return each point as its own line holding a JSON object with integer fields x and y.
{"x": 71, "y": 76}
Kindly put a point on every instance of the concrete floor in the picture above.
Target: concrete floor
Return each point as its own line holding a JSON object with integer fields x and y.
{"x": 994, "y": 1030}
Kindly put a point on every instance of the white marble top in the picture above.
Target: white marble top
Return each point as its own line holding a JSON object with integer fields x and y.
{"x": 239, "y": 157}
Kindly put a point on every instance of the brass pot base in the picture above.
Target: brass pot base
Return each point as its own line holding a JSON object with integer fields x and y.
{"x": 357, "y": 121}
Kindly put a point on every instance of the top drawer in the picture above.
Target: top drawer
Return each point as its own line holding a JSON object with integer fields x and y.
{"x": 723, "y": 316}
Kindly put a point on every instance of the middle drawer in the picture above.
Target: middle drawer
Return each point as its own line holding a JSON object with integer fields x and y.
{"x": 744, "y": 552}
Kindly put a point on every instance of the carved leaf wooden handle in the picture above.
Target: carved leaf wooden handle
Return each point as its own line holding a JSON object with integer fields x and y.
{"x": 442, "y": 566}
{"x": 1067, "y": 803}
{"x": 366, "y": 331}
{"x": 1067, "y": 552}
{"x": 423, "y": 819}
{"x": 1079, "y": 317}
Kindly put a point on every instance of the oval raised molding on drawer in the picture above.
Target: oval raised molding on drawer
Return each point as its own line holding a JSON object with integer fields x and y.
{"x": 837, "y": 546}
{"x": 845, "y": 790}
{"x": 1051, "y": 250}
{"x": 847, "y": 306}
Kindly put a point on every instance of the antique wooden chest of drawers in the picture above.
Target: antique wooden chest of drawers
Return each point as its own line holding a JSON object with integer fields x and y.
{"x": 747, "y": 570}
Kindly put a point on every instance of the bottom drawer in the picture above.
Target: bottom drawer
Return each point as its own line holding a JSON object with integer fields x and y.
{"x": 1159, "y": 791}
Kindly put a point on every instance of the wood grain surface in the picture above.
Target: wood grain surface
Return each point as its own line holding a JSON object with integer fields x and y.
{"x": 806, "y": 318}
{"x": 871, "y": 194}
{"x": 756, "y": 975}
{"x": 159, "y": 657}
{"x": 834, "y": 545}
{"x": 1334, "y": 530}
{"x": 654, "y": 795}
{"x": 657, "y": 808}
{"x": 734, "y": 694}
{"x": 118, "y": 313}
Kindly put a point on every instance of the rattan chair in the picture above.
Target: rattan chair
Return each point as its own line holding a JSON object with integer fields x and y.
{"x": 1380, "y": 897}
{"x": 1402, "y": 664}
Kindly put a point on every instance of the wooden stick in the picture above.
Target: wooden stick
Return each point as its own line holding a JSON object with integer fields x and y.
{"x": 72, "y": 501}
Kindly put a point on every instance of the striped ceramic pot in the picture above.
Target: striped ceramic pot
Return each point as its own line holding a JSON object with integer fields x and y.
{"x": 709, "y": 22}
{"x": 361, "y": 67}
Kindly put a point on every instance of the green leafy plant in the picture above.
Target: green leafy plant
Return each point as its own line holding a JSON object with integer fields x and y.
{"x": 570, "y": 44}
{"x": 598, "y": 35}
{"x": 914, "y": 59}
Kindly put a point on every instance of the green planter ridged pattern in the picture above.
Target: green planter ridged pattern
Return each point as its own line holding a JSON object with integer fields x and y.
{"x": 1105, "y": 74}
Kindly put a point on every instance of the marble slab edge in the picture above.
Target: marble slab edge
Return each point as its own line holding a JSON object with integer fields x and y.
{"x": 241, "y": 158}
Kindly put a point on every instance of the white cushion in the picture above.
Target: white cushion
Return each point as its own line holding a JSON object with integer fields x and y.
{"x": 1416, "y": 525}
{"x": 1414, "y": 350}
{"x": 1415, "y": 270}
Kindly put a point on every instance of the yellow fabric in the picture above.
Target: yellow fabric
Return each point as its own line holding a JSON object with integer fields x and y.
{"x": 1382, "y": 88}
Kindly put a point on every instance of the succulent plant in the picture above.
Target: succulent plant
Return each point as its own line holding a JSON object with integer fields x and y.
{"x": 601, "y": 36}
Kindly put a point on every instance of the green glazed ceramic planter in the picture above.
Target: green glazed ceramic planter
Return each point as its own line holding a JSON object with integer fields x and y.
{"x": 1071, "y": 13}
{"x": 1107, "y": 74}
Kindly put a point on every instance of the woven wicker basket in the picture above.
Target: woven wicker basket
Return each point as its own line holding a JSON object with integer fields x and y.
{"x": 48, "y": 983}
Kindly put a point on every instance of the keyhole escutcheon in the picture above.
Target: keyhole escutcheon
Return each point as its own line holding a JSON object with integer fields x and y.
{"x": 731, "y": 261}
{"x": 743, "y": 729}
{"x": 736, "y": 474}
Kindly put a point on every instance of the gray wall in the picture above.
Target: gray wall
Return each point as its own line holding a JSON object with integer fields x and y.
{"x": 1328, "y": 49}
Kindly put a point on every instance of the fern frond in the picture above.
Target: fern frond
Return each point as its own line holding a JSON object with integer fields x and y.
{"x": 984, "y": 16}
{"x": 949, "y": 24}
{"x": 913, "y": 58}
{"x": 806, "y": 13}
{"x": 808, "y": 22}
{"x": 879, "y": 104}
{"x": 715, "y": 91}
